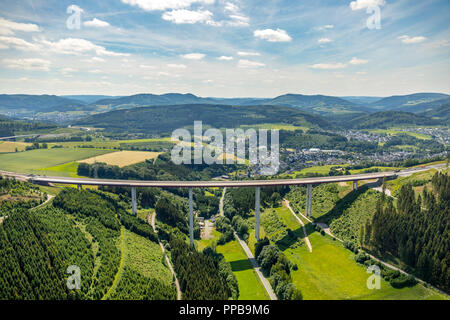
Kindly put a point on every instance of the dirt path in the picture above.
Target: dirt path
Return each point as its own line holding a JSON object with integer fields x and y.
{"x": 221, "y": 202}
{"x": 151, "y": 220}
{"x": 308, "y": 243}
{"x": 256, "y": 267}
{"x": 250, "y": 256}
{"x": 49, "y": 198}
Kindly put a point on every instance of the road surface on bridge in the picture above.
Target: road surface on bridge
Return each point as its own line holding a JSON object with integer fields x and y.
{"x": 197, "y": 184}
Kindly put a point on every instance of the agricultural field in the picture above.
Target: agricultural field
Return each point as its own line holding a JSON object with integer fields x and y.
{"x": 122, "y": 158}
{"x": 117, "y": 144}
{"x": 10, "y": 146}
{"x": 34, "y": 160}
{"x": 396, "y": 131}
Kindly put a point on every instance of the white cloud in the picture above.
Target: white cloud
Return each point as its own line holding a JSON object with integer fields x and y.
{"x": 271, "y": 35}
{"x": 325, "y": 27}
{"x": 17, "y": 43}
{"x": 7, "y": 27}
{"x": 27, "y": 64}
{"x": 96, "y": 71}
{"x": 188, "y": 16}
{"x": 324, "y": 40}
{"x": 408, "y": 40}
{"x": 144, "y": 66}
{"x": 97, "y": 59}
{"x": 250, "y": 64}
{"x": 326, "y": 66}
{"x": 79, "y": 46}
{"x": 231, "y": 7}
{"x": 176, "y": 66}
{"x": 238, "y": 20}
{"x": 363, "y": 4}
{"x": 225, "y": 58}
{"x": 208, "y": 81}
{"x": 193, "y": 56}
{"x": 248, "y": 54}
{"x": 160, "y": 5}
{"x": 68, "y": 70}
{"x": 356, "y": 61}
{"x": 96, "y": 23}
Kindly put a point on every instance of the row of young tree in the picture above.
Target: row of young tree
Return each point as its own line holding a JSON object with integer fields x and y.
{"x": 198, "y": 273}
{"x": 417, "y": 231}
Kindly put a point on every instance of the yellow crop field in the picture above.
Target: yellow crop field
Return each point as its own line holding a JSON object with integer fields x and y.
{"x": 122, "y": 158}
{"x": 10, "y": 146}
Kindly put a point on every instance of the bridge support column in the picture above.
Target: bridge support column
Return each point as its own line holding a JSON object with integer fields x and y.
{"x": 355, "y": 185}
{"x": 191, "y": 218}
{"x": 309, "y": 200}
{"x": 133, "y": 201}
{"x": 80, "y": 187}
{"x": 257, "y": 212}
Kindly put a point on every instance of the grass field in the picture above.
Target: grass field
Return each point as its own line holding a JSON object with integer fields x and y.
{"x": 250, "y": 287}
{"x": 330, "y": 272}
{"x": 10, "y": 146}
{"x": 394, "y": 132}
{"x": 63, "y": 170}
{"x": 109, "y": 144}
{"x": 122, "y": 158}
{"x": 32, "y": 161}
{"x": 274, "y": 126}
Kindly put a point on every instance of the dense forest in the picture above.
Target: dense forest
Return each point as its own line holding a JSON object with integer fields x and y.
{"x": 9, "y": 127}
{"x": 198, "y": 273}
{"x": 417, "y": 231}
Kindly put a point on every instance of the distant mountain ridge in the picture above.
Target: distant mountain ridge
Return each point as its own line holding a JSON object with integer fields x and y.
{"x": 165, "y": 119}
{"x": 407, "y": 102}
{"x": 388, "y": 119}
{"x": 37, "y": 103}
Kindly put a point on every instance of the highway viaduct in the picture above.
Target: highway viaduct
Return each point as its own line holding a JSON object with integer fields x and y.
{"x": 257, "y": 184}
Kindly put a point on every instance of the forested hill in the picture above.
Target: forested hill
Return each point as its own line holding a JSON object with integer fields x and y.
{"x": 9, "y": 127}
{"x": 165, "y": 119}
{"x": 386, "y": 119}
{"x": 320, "y": 104}
{"x": 406, "y": 102}
{"x": 442, "y": 113}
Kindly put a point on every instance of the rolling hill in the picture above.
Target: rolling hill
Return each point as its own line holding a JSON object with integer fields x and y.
{"x": 36, "y": 103}
{"x": 441, "y": 113}
{"x": 165, "y": 119}
{"x": 407, "y": 103}
{"x": 319, "y": 104}
{"x": 387, "y": 119}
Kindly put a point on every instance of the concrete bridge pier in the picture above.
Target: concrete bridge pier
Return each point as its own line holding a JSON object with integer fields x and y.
{"x": 309, "y": 200}
{"x": 191, "y": 218}
{"x": 257, "y": 212}
{"x": 133, "y": 201}
{"x": 355, "y": 185}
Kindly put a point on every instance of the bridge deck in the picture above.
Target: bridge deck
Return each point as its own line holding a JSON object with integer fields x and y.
{"x": 209, "y": 184}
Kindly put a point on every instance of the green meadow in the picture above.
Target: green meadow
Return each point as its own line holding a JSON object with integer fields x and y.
{"x": 330, "y": 272}
{"x": 250, "y": 287}
{"x": 34, "y": 160}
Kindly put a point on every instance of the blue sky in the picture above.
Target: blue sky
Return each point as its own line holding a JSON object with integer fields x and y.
{"x": 225, "y": 48}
